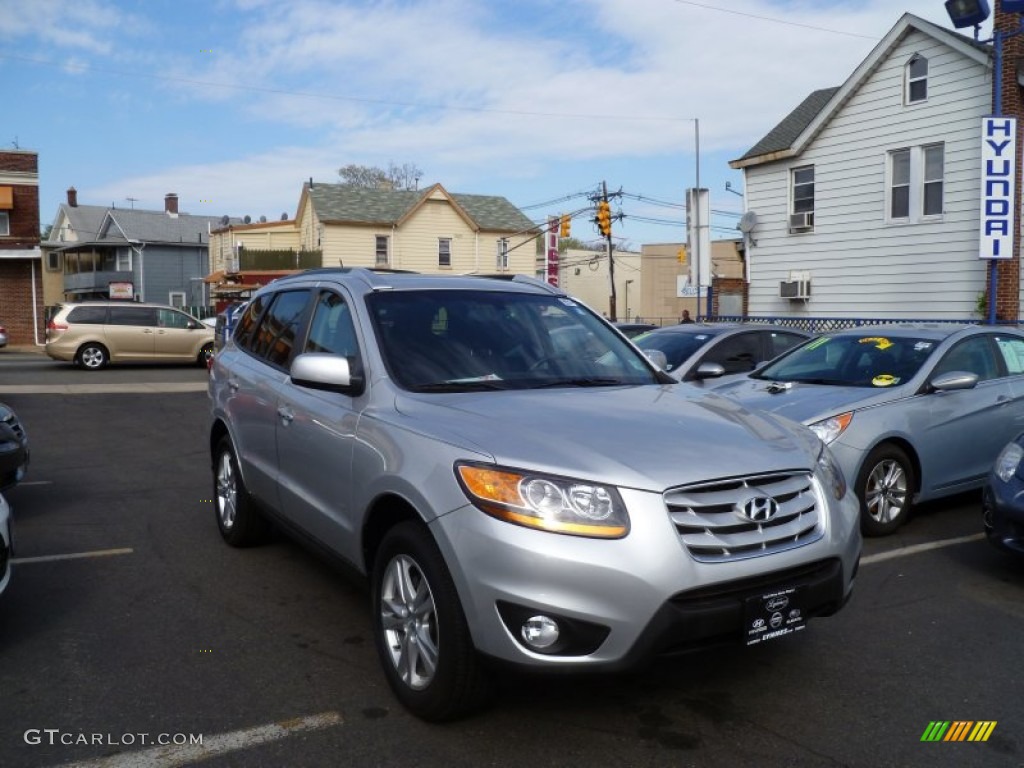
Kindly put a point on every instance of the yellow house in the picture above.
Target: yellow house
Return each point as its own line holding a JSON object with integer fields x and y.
{"x": 430, "y": 230}
{"x": 233, "y": 238}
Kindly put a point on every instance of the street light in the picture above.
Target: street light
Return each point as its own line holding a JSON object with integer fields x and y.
{"x": 627, "y": 298}
{"x": 967, "y": 13}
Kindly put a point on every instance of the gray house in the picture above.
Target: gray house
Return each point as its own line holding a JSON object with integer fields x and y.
{"x": 97, "y": 252}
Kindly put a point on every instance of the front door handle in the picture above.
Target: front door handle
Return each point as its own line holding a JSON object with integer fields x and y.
{"x": 286, "y": 414}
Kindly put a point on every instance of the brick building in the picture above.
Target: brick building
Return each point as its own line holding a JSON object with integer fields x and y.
{"x": 21, "y": 297}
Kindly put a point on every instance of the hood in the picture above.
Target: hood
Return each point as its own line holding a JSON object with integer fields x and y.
{"x": 646, "y": 437}
{"x": 807, "y": 403}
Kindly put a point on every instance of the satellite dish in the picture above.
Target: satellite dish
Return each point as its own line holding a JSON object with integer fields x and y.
{"x": 263, "y": 219}
{"x": 747, "y": 222}
{"x": 224, "y": 221}
{"x": 247, "y": 219}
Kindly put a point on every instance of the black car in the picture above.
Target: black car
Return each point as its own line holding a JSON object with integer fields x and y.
{"x": 13, "y": 449}
{"x": 1003, "y": 499}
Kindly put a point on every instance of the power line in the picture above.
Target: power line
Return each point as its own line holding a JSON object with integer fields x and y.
{"x": 775, "y": 21}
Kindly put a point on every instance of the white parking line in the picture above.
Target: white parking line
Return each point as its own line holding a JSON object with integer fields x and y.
{"x": 220, "y": 744}
{"x": 918, "y": 548}
{"x": 71, "y": 556}
{"x": 23, "y": 483}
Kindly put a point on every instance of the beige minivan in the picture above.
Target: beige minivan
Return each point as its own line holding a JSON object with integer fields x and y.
{"x": 99, "y": 332}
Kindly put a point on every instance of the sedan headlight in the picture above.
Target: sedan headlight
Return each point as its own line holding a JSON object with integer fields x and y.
{"x": 831, "y": 475}
{"x": 831, "y": 428}
{"x": 545, "y": 502}
{"x": 1008, "y": 461}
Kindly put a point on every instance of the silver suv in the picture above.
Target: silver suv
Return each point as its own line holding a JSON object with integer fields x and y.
{"x": 511, "y": 496}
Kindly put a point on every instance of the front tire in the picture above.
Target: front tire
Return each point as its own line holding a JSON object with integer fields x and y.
{"x": 93, "y": 357}
{"x": 886, "y": 490}
{"x": 421, "y": 631}
{"x": 239, "y": 522}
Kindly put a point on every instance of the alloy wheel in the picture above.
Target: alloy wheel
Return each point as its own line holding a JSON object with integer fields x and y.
{"x": 409, "y": 621}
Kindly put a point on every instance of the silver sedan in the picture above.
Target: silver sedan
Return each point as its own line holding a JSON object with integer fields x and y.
{"x": 911, "y": 412}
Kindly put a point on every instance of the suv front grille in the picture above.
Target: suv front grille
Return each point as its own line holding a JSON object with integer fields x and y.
{"x": 709, "y": 517}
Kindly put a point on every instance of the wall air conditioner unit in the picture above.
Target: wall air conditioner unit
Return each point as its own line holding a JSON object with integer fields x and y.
{"x": 801, "y": 222}
{"x": 795, "y": 289}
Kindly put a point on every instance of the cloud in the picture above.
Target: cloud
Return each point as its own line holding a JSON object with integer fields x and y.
{"x": 85, "y": 25}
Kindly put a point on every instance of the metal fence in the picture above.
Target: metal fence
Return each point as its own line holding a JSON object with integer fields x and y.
{"x": 817, "y": 324}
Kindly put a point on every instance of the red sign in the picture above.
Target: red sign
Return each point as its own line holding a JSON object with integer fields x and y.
{"x": 551, "y": 248}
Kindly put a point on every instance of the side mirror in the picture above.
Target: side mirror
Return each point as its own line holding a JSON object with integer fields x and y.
{"x": 709, "y": 371}
{"x": 953, "y": 380}
{"x": 319, "y": 370}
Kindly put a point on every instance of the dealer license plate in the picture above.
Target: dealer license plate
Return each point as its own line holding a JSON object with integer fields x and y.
{"x": 773, "y": 615}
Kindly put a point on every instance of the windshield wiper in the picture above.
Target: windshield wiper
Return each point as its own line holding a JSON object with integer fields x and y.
{"x": 580, "y": 382}
{"x": 459, "y": 386}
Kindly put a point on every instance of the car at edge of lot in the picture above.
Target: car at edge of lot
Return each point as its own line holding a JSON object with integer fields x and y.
{"x": 708, "y": 354}
{"x": 912, "y": 412}
{"x": 1003, "y": 499}
{"x": 3, "y": 336}
{"x": 94, "y": 334}
{"x": 511, "y": 498}
{"x": 632, "y": 329}
{"x": 6, "y": 544}
{"x": 14, "y": 448}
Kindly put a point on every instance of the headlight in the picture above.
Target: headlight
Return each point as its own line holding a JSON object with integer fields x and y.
{"x": 831, "y": 428}
{"x": 1008, "y": 461}
{"x": 831, "y": 475}
{"x": 549, "y": 503}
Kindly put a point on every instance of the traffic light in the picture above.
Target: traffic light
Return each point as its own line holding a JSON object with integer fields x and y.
{"x": 566, "y": 226}
{"x": 604, "y": 218}
{"x": 681, "y": 255}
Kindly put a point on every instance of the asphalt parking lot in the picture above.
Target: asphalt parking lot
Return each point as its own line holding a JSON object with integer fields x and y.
{"x": 128, "y": 623}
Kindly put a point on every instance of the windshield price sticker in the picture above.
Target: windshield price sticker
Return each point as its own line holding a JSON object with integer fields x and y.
{"x": 773, "y": 615}
{"x": 878, "y": 341}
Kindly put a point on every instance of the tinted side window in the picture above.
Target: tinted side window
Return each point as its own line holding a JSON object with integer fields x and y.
{"x": 973, "y": 355}
{"x": 737, "y": 354}
{"x": 331, "y": 329}
{"x": 246, "y": 323}
{"x": 143, "y": 316}
{"x": 90, "y": 315}
{"x": 276, "y": 333}
{"x": 782, "y": 342}
{"x": 1012, "y": 349}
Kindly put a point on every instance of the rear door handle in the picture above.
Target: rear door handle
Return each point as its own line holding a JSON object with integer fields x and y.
{"x": 233, "y": 385}
{"x": 286, "y": 414}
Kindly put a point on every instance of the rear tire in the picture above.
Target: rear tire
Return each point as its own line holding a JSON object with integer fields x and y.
{"x": 93, "y": 356}
{"x": 421, "y": 631}
{"x": 239, "y": 522}
{"x": 885, "y": 488}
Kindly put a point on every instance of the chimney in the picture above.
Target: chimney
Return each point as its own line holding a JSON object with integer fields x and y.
{"x": 72, "y": 197}
{"x": 171, "y": 203}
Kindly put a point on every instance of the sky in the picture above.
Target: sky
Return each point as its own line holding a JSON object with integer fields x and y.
{"x": 233, "y": 104}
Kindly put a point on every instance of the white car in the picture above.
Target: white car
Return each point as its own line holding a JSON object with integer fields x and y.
{"x": 6, "y": 552}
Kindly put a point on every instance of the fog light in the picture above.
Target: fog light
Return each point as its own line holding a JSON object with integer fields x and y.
{"x": 540, "y": 632}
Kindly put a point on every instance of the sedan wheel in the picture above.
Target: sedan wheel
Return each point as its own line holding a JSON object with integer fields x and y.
{"x": 886, "y": 489}
{"x": 92, "y": 357}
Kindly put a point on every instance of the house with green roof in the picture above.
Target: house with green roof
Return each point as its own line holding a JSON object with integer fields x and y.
{"x": 865, "y": 200}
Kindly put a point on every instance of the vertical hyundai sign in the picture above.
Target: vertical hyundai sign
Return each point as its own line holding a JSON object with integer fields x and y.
{"x": 998, "y": 172}
{"x": 551, "y": 248}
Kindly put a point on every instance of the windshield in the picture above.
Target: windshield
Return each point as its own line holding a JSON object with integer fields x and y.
{"x": 451, "y": 340}
{"x": 676, "y": 346}
{"x": 853, "y": 360}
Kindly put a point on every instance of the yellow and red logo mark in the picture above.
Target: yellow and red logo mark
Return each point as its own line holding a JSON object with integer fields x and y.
{"x": 958, "y": 730}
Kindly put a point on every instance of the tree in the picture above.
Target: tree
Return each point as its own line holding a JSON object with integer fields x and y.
{"x": 405, "y": 176}
{"x": 45, "y": 234}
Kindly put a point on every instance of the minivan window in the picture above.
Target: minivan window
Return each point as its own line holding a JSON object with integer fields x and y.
{"x": 132, "y": 316}
{"x": 276, "y": 334}
{"x": 88, "y": 315}
{"x": 171, "y": 319}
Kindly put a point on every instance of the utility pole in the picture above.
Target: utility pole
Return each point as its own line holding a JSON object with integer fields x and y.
{"x": 605, "y": 224}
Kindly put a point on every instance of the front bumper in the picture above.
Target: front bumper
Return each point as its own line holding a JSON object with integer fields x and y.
{"x": 631, "y": 598}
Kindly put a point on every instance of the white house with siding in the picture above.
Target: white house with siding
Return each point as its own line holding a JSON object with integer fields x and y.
{"x": 866, "y": 196}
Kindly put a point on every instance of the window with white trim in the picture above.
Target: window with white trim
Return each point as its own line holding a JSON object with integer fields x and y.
{"x": 444, "y": 251}
{"x": 502, "y": 255}
{"x": 381, "y": 250}
{"x": 801, "y": 183}
{"x": 176, "y": 299}
{"x": 916, "y": 183}
{"x": 124, "y": 261}
{"x": 915, "y": 79}
{"x": 5, "y": 224}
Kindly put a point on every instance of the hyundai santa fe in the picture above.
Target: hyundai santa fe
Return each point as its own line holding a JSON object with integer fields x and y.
{"x": 514, "y": 493}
